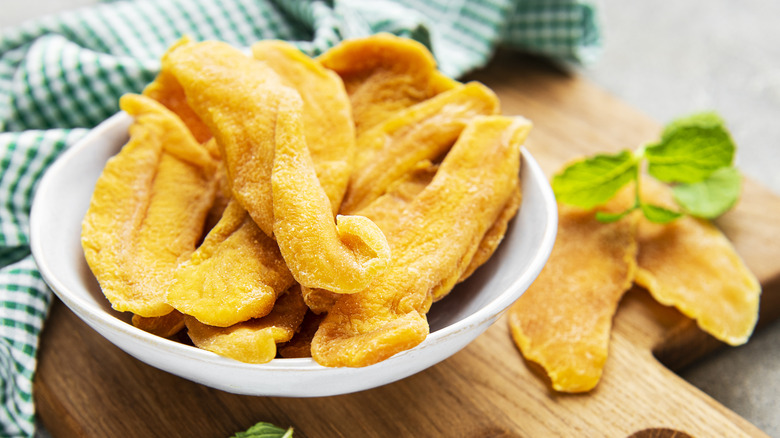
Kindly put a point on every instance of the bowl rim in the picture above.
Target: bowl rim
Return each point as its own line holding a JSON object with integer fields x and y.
{"x": 96, "y": 316}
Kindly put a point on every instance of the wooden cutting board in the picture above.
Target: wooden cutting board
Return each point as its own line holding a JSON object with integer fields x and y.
{"x": 87, "y": 387}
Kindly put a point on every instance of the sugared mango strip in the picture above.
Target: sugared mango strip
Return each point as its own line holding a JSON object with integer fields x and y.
{"x": 148, "y": 209}
{"x": 424, "y": 131}
{"x": 167, "y": 90}
{"x": 252, "y": 341}
{"x": 431, "y": 248}
{"x": 342, "y": 256}
{"x": 236, "y": 274}
{"x": 327, "y": 115}
{"x": 384, "y": 212}
{"x": 384, "y": 74}
{"x": 164, "y": 326}
{"x": 236, "y": 97}
{"x": 496, "y": 233}
{"x": 691, "y": 265}
{"x": 563, "y": 321}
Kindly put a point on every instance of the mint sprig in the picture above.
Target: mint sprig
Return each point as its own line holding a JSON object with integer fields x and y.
{"x": 695, "y": 155}
{"x": 265, "y": 430}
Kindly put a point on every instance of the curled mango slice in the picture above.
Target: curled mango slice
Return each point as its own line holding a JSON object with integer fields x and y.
{"x": 327, "y": 115}
{"x": 342, "y": 257}
{"x": 236, "y": 97}
{"x": 385, "y": 212}
{"x": 148, "y": 209}
{"x": 164, "y": 326}
{"x": 384, "y": 74}
{"x": 236, "y": 274}
{"x": 167, "y": 90}
{"x": 691, "y": 265}
{"x": 563, "y": 321}
{"x": 431, "y": 248}
{"x": 252, "y": 341}
{"x": 422, "y": 132}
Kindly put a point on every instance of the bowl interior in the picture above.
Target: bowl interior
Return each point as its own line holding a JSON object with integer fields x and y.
{"x": 64, "y": 194}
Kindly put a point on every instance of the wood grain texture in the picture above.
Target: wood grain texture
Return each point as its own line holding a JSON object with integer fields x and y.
{"x": 87, "y": 387}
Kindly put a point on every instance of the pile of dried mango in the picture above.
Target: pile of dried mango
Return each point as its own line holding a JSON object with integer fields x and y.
{"x": 688, "y": 264}
{"x": 275, "y": 204}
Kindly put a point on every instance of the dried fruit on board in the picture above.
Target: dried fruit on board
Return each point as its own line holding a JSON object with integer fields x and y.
{"x": 148, "y": 209}
{"x": 691, "y": 265}
{"x": 384, "y": 74}
{"x": 342, "y": 256}
{"x": 236, "y": 274}
{"x": 425, "y": 131}
{"x": 431, "y": 248}
{"x": 563, "y": 321}
{"x": 252, "y": 341}
{"x": 236, "y": 97}
{"x": 327, "y": 115}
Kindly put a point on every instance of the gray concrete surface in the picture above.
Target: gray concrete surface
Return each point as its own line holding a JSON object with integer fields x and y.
{"x": 669, "y": 59}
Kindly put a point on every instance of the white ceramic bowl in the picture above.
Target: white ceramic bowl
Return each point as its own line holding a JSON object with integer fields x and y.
{"x": 62, "y": 199}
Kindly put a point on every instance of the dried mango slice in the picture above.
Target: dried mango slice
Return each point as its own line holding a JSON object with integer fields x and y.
{"x": 148, "y": 209}
{"x": 691, "y": 265}
{"x": 343, "y": 257}
{"x": 319, "y": 301}
{"x": 424, "y": 131}
{"x": 563, "y": 321}
{"x": 164, "y": 326}
{"x": 384, "y": 74}
{"x": 223, "y": 194}
{"x": 385, "y": 212}
{"x": 327, "y": 115}
{"x": 300, "y": 344}
{"x": 167, "y": 90}
{"x": 496, "y": 233}
{"x": 437, "y": 235}
{"x": 236, "y": 274}
{"x": 252, "y": 341}
{"x": 236, "y": 98}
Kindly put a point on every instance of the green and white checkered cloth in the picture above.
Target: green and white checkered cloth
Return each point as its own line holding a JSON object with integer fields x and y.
{"x": 61, "y": 75}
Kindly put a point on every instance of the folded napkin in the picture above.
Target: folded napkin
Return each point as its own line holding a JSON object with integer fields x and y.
{"x": 61, "y": 75}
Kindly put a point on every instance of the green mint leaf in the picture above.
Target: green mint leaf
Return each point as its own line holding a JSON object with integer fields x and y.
{"x": 713, "y": 196}
{"x": 691, "y": 149}
{"x": 594, "y": 181}
{"x": 604, "y": 217}
{"x": 265, "y": 430}
{"x": 659, "y": 215}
